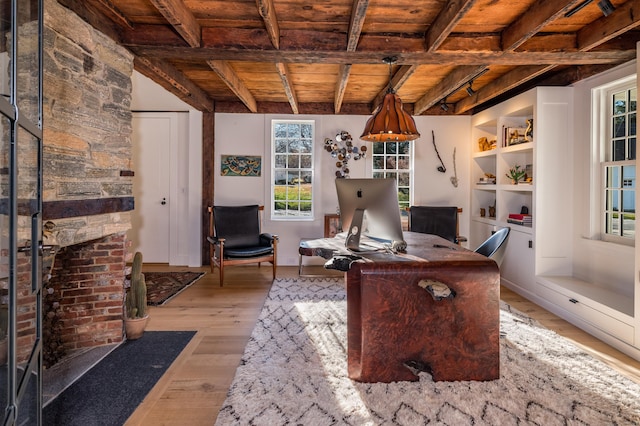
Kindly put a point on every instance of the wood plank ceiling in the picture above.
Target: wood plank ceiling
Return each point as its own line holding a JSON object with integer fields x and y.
{"x": 326, "y": 56}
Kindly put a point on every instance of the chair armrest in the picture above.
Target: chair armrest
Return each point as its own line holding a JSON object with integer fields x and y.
{"x": 215, "y": 240}
{"x": 268, "y": 238}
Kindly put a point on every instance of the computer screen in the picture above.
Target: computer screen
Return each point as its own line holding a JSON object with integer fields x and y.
{"x": 370, "y": 207}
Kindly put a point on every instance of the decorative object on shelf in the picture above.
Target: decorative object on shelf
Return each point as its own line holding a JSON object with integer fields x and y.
{"x": 485, "y": 144}
{"x": 454, "y": 178}
{"x": 492, "y": 210}
{"x": 528, "y": 133}
{"x": 441, "y": 168}
{"x": 487, "y": 179}
{"x": 390, "y": 122}
{"x": 341, "y": 148}
{"x": 513, "y": 136}
{"x": 528, "y": 173}
{"x": 483, "y": 212}
{"x": 515, "y": 174}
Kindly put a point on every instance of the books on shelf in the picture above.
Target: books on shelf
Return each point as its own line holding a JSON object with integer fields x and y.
{"x": 520, "y": 219}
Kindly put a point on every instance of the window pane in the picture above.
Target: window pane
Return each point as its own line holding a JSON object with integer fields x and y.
{"x": 619, "y": 126}
{"x": 632, "y": 148}
{"x": 281, "y": 146}
{"x": 618, "y": 150}
{"x": 620, "y": 103}
{"x": 633, "y": 100}
{"x": 613, "y": 223}
{"x": 391, "y": 147}
{"x": 280, "y": 161}
{"x": 306, "y": 146}
{"x": 404, "y": 179}
{"x": 632, "y": 124}
{"x": 390, "y": 164}
{"x": 280, "y": 130}
{"x": 306, "y": 131}
{"x": 293, "y": 161}
{"x": 378, "y": 148}
{"x": 378, "y": 162}
{"x": 306, "y": 161}
{"x": 404, "y": 147}
{"x": 404, "y": 162}
{"x": 613, "y": 177}
{"x": 293, "y": 130}
{"x": 613, "y": 200}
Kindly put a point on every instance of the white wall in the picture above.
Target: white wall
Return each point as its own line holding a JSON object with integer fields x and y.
{"x": 149, "y": 96}
{"x": 249, "y": 134}
{"x": 596, "y": 261}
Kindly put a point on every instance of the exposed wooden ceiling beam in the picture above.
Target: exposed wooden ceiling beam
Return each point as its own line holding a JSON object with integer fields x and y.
{"x": 341, "y": 87}
{"x": 231, "y": 79}
{"x": 601, "y": 31}
{"x": 181, "y": 19}
{"x": 268, "y": 13}
{"x": 174, "y": 81}
{"x": 115, "y": 13}
{"x": 445, "y": 22}
{"x": 404, "y": 58}
{"x": 358, "y": 13}
{"x": 606, "y": 28}
{"x": 288, "y": 88}
{"x": 533, "y": 20}
{"x": 454, "y": 80}
{"x": 501, "y": 85}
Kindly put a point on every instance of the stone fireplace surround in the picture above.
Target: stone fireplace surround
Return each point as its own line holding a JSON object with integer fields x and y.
{"x": 87, "y": 199}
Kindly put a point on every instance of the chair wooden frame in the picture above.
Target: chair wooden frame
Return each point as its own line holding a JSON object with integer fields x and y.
{"x": 216, "y": 250}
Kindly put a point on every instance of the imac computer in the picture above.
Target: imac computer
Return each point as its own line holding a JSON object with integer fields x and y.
{"x": 370, "y": 207}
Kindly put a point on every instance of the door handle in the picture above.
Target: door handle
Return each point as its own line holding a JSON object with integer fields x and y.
{"x": 164, "y": 201}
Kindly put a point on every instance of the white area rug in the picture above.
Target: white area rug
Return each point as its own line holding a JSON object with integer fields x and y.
{"x": 294, "y": 371}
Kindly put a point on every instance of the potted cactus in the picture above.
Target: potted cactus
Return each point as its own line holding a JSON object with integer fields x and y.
{"x": 136, "y": 315}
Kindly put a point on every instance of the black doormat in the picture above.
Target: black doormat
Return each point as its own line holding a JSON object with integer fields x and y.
{"x": 109, "y": 392}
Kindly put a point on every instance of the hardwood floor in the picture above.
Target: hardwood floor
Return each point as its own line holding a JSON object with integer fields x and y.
{"x": 195, "y": 386}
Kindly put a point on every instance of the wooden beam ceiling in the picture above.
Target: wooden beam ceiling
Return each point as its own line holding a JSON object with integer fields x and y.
{"x": 528, "y": 41}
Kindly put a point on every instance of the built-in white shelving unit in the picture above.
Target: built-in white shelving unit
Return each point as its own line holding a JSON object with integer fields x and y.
{"x": 538, "y": 258}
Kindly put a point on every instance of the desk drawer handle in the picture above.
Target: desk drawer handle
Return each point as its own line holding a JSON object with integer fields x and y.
{"x": 572, "y": 300}
{"x": 437, "y": 290}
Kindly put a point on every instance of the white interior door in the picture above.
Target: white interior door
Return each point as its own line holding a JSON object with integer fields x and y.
{"x": 155, "y": 136}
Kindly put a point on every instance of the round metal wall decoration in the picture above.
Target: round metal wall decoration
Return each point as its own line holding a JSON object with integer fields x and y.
{"x": 342, "y": 149}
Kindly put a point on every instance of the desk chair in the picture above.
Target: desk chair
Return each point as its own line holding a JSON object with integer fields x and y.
{"x": 235, "y": 238}
{"x": 441, "y": 221}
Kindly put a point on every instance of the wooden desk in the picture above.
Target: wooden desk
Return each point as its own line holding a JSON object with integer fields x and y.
{"x": 391, "y": 320}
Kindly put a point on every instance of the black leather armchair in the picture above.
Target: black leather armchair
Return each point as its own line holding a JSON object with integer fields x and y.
{"x": 235, "y": 238}
{"x": 441, "y": 221}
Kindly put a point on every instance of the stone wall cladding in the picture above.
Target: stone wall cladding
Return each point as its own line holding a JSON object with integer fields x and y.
{"x": 87, "y": 118}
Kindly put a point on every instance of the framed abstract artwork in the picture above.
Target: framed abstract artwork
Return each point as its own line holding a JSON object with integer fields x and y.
{"x": 240, "y": 165}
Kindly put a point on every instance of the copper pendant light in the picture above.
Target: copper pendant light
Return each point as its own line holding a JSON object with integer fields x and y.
{"x": 390, "y": 122}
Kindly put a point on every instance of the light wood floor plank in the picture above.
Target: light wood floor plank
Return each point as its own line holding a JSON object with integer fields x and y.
{"x": 195, "y": 386}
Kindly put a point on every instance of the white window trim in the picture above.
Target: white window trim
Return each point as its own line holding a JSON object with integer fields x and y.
{"x": 314, "y": 187}
{"x": 600, "y": 125}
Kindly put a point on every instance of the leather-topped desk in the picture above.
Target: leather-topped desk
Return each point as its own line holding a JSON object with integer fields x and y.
{"x": 396, "y": 327}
